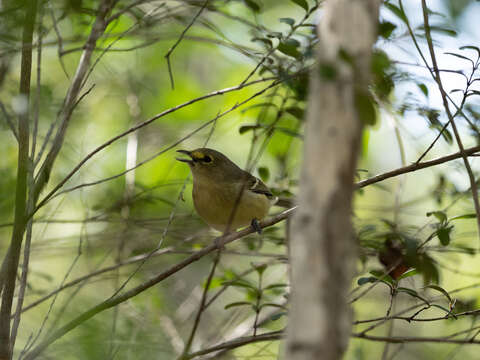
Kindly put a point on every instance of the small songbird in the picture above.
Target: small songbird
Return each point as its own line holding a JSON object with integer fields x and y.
{"x": 224, "y": 195}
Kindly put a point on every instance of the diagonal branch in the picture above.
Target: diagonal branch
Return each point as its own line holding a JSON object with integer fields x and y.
{"x": 416, "y": 166}
{"x": 233, "y": 344}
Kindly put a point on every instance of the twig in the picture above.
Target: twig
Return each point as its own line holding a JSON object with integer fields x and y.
{"x": 415, "y": 167}
{"x": 411, "y": 339}
{"x": 201, "y": 307}
{"x": 59, "y": 39}
{"x": 170, "y": 51}
{"x": 9, "y": 120}
{"x": 233, "y": 344}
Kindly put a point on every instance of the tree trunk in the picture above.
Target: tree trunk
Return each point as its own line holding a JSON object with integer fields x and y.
{"x": 323, "y": 251}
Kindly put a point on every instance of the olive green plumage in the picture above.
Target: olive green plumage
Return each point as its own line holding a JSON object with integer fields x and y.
{"x": 224, "y": 195}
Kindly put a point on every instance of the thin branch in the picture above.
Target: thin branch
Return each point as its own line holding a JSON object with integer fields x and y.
{"x": 411, "y": 339}
{"x": 201, "y": 307}
{"x": 414, "y": 167}
{"x": 233, "y": 344}
{"x": 9, "y": 120}
{"x": 410, "y": 318}
{"x": 170, "y": 51}
{"x": 59, "y": 39}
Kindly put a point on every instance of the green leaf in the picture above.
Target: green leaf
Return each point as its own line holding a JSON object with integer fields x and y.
{"x": 253, "y": 5}
{"x": 301, "y": 3}
{"x": 272, "y": 305}
{"x": 296, "y": 112}
{"x": 423, "y": 88}
{"x": 288, "y": 21}
{"x": 266, "y": 41}
{"x": 465, "y": 216}
{"x": 275, "y": 34}
{"x": 408, "y": 273}
{"x": 264, "y": 173}
{"x": 244, "y": 128}
{"x": 277, "y": 316}
{"x": 443, "y": 30}
{"x": 440, "y": 215}
{"x": 259, "y": 105}
{"x": 380, "y": 275}
{"x": 289, "y": 47}
{"x": 386, "y": 28}
{"x": 470, "y": 47}
{"x": 412, "y": 293}
{"x": 240, "y": 283}
{"x": 440, "y": 289}
{"x": 275, "y": 286}
{"x": 365, "y": 107}
{"x": 443, "y": 235}
{"x": 396, "y": 11}
{"x": 214, "y": 283}
{"x": 237, "y": 303}
{"x": 458, "y": 56}
{"x": 366, "y": 280}
{"x": 444, "y": 309}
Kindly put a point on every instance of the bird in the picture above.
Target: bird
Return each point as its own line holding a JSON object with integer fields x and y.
{"x": 225, "y": 196}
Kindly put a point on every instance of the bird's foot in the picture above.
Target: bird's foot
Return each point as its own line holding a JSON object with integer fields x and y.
{"x": 256, "y": 226}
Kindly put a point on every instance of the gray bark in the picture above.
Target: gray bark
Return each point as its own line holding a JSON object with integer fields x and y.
{"x": 322, "y": 241}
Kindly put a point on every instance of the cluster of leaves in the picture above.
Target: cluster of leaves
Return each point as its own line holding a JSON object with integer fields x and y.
{"x": 258, "y": 296}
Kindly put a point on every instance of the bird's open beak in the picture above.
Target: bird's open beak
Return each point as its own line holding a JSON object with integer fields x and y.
{"x": 186, "y": 152}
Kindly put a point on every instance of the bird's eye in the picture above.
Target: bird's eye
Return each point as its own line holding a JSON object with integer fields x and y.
{"x": 207, "y": 159}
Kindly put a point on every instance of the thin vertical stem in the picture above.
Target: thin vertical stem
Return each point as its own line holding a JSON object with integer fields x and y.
{"x": 21, "y": 187}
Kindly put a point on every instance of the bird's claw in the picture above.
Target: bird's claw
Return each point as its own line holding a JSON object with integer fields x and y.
{"x": 256, "y": 226}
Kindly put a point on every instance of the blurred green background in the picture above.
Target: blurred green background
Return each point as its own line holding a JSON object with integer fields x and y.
{"x": 93, "y": 227}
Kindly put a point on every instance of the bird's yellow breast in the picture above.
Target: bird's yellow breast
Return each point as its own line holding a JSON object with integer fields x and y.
{"x": 217, "y": 204}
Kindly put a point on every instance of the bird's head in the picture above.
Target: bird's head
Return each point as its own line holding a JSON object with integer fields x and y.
{"x": 208, "y": 163}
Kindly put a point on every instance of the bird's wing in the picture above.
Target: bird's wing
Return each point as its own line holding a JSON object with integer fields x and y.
{"x": 256, "y": 185}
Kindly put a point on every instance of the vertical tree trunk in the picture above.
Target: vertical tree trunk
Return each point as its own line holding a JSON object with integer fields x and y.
{"x": 322, "y": 243}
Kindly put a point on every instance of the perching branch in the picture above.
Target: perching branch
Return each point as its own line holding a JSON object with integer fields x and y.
{"x": 148, "y": 284}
